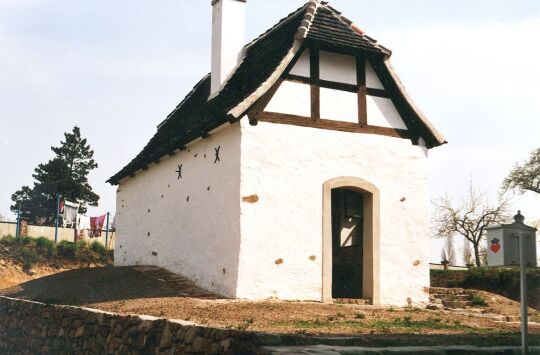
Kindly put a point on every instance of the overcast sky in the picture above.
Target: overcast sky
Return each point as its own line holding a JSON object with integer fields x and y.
{"x": 117, "y": 68}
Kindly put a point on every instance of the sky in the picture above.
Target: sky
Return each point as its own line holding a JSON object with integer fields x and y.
{"x": 118, "y": 68}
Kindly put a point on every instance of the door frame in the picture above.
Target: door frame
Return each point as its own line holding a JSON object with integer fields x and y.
{"x": 371, "y": 243}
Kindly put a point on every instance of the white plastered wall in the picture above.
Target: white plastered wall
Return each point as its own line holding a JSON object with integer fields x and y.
{"x": 372, "y": 80}
{"x": 339, "y": 105}
{"x": 286, "y": 166}
{"x": 302, "y": 66}
{"x": 192, "y": 223}
{"x": 337, "y": 67}
{"x": 291, "y": 98}
{"x": 381, "y": 112}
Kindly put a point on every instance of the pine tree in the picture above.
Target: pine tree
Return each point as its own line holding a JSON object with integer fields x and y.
{"x": 66, "y": 174}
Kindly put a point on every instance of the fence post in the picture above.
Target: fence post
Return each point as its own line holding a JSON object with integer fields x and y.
{"x": 107, "y": 233}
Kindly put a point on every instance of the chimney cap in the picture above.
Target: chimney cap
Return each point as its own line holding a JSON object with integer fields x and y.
{"x": 214, "y": 1}
{"x": 519, "y": 218}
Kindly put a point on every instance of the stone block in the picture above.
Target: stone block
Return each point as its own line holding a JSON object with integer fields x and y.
{"x": 80, "y": 331}
{"x": 166, "y": 338}
{"x": 190, "y": 335}
{"x": 202, "y": 345}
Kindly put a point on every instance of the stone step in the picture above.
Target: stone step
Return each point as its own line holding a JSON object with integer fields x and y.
{"x": 456, "y": 304}
{"x": 440, "y": 290}
{"x": 447, "y": 297}
{"x": 352, "y": 301}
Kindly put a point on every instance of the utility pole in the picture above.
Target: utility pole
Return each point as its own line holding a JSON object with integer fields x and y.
{"x": 58, "y": 196}
{"x": 18, "y": 231}
{"x": 523, "y": 291}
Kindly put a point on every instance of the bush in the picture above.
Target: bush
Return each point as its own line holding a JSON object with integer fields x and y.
{"x": 7, "y": 240}
{"x": 46, "y": 245}
{"x": 98, "y": 248}
{"x": 66, "y": 249}
{"x": 24, "y": 240}
{"x": 360, "y": 315}
{"x": 81, "y": 245}
{"x": 28, "y": 257}
{"x": 478, "y": 300}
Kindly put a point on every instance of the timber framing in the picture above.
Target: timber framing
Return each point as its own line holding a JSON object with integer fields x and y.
{"x": 281, "y": 118}
{"x": 257, "y": 112}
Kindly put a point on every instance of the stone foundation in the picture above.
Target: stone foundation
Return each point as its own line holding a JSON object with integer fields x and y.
{"x": 35, "y": 328}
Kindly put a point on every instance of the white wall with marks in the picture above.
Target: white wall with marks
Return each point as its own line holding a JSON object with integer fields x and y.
{"x": 188, "y": 224}
{"x": 286, "y": 166}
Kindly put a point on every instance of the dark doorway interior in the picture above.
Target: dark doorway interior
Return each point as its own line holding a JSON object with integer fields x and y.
{"x": 347, "y": 241}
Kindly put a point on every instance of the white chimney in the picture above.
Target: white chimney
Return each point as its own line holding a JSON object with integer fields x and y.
{"x": 228, "y": 35}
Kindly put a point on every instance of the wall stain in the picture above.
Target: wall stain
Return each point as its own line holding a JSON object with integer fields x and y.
{"x": 251, "y": 199}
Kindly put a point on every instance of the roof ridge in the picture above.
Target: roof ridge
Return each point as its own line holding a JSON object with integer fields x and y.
{"x": 311, "y": 10}
{"x": 281, "y": 22}
{"x": 355, "y": 28}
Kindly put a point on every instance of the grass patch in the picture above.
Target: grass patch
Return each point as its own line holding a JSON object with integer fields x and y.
{"x": 405, "y": 324}
{"x": 30, "y": 251}
{"x": 28, "y": 257}
{"x": 478, "y": 300}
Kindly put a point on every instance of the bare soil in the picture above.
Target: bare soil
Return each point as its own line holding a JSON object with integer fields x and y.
{"x": 13, "y": 271}
{"x": 153, "y": 291}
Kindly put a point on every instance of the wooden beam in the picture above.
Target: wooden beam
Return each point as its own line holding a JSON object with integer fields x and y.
{"x": 330, "y": 125}
{"x": 314, "y": 70}
{"x": 378, "y": 93}
{"x": 314, "y": 63}
{"x": 408, "y": 115}
{"x": 362, "y": 90}
{"x": 336, "y": 85}
{"x": 315, "y": 102}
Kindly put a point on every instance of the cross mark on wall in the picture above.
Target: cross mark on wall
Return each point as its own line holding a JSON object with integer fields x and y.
{"x": 179, "y": 171}
{"x": 217, "y": 154}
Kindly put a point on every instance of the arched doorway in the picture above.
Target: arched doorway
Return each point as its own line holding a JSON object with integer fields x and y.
{"x": 350, "y": 239}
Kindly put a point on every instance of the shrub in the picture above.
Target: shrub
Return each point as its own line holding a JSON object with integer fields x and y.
{"x": 98, "y": 248}
{"x": 407, "y": 321}
{"x": 66, "y": 249}
{"x": 478, "y": 300}
{"x": 7, "y": 240}
{"x": 360, "y": 315}
{"x": 28, "y": 257}
{"x": 81, "y": 245}
{"x": 46, "y": 245}
{"x": 24, "y": 240}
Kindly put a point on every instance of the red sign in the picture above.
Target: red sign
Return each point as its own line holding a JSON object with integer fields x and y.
{"x": 495, "y": 245}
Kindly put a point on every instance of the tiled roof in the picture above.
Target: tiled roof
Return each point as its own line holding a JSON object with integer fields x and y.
{"x": 267, "y": 55}
{"x": 331, "y": 28}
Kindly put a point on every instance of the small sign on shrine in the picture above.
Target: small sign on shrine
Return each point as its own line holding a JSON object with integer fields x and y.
{"x": 503, "y": 243}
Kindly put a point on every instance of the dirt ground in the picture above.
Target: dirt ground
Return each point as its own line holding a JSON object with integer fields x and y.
{"x": 153, "y": 291}
{"x": 13, "y": 273}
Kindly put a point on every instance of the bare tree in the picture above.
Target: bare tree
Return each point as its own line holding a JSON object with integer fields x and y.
{"x": 525, "y": 177}
{"x": 448, "y": 253}
{"x": 469, "y": 218}
{"x": 467, "y": 254}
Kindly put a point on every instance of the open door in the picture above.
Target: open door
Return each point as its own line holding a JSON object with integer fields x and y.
{"x": 347, "y": 243}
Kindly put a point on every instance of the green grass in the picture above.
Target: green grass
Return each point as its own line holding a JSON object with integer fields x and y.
{"x": 405, "y": 324}
{"x": 31, "y": 250}
{"x": 478, "y": 300}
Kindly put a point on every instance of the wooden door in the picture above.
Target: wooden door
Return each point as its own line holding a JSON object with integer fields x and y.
{"x": 347, "y": 241}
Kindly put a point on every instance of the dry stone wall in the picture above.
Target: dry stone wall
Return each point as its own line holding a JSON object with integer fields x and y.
{"x": 35, "y": 328}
